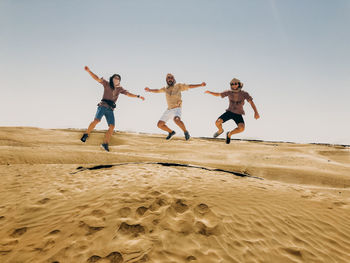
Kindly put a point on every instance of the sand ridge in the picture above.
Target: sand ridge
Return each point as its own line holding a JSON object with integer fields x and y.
{"x": 142, "y": 211}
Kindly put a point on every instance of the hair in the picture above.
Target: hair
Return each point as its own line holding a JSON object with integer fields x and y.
{"x": 111, "y": 80}
{"x": 240, "y": 85}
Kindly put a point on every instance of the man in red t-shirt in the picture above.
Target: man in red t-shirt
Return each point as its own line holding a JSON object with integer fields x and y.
{"x": 112, "y": 89}
{"x": 235, "y": 110}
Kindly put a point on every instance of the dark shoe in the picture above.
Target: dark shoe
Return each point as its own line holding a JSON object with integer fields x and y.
{"x": 105, "y": 147}
{"x": 84, "y": 137}
{"x": 217, "y": 134}
{"x": 228, "y": 139}
{"x": 170, "y": 135}
{"x": 187, "y": 136}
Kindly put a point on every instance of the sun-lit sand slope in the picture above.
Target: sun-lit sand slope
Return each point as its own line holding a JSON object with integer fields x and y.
{"x": 293, "y": 205}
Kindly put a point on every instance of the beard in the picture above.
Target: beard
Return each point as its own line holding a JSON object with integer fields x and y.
{"x": 170, "y": 82}
{"x": 236, "y": 90}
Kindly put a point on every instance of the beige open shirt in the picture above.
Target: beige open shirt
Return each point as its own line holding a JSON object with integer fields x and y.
{"x": 173, "y": 95}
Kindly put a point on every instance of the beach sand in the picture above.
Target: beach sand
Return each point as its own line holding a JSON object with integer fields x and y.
{"x": 151, "y": 200}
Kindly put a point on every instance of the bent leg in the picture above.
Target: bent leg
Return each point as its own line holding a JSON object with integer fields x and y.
{"x": 218, "y": 124}
{"x": 240, "y": 128}
{"x": 163, "y": 126}
{"x": 109, "y": 133}
{"x": 179, "y": 123}
{"x": 92, "y": 126}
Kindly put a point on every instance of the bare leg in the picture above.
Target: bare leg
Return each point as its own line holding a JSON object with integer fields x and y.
{"x": 162, "y": 125}
{"x": 92, "y": 126}
{"x": 218, "y": 124}
{"x": 179, "y": 123}
{"x": 239, "y": 129}
{"x": 109, "y": 133}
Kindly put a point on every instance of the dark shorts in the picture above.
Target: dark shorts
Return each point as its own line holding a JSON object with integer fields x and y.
{"x": 228, "y": 115}
{"x": 107, "y": 112}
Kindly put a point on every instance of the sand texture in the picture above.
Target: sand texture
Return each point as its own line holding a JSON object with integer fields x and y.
{"x": 151, "y": 200}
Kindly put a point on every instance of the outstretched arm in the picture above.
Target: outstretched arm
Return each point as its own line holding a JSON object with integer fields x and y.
{"x": 95, "y": 77}
{"x": 134, "y": 96}
{"x": 217, "y": 94}
{"x": 192, "y": 86}
{"x": 152, "y": 90}
{"x": 256, "y": 114}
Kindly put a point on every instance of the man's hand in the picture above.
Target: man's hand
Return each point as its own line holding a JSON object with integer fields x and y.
{"x": 207, "y": 91}
{"x": 203, "y": 84}
{"x": 142, "y": 98}
{"x": 147, "y": 89}
{"x": 256, "y": 115}
{"x": 87, "y": 68}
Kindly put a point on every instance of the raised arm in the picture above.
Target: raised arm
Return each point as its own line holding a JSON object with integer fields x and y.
{"x": 95, "y": 77}
{"x": 134, "y": 96}
{"x": 256, "y": 114}
{"x": 192, "y": 86}
{"x": 217, "y": 94}
{"x": 153, "y": 90}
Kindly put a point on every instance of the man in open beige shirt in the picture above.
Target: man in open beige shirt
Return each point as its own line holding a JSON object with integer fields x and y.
{"x": 173, "y": 97}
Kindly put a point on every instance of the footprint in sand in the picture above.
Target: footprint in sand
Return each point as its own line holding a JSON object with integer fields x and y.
{"x": 114, "y": 257}
{"x": 158, "y": 203}
{"x": 93, "y": 259}
{"x": 125, "y": 211}
{"x": 98, "y": 213}
{"x": 54, "y": 232}
{"x": 141, "y": 210}
{"x": 190, "y": 258}
{"x": 155, "y": 193}
{"x": 47, "y": 246}
{"x": 134, "y": 230}
{"x": 44, "y": 201}
{"x": 202, "y": 209}
{"x": 180, "y": 206}
{"x": 18, "y": 232}
{"x": 204, "y": 230}
{"x": 90, "y": 229}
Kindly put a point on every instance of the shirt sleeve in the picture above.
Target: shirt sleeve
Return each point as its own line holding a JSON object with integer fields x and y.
{"x": 224, "y": 94}
{"x": 161, "y": 90}
{"x": 247, "y": 96}
{"x": 122, "y": 90}
{"x": 104, "y": 82}
{"x": 184, "y": 87}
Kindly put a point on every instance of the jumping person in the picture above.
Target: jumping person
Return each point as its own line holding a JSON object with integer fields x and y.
{"x": 173, "y": 97}
{"x": 235, "y": 110}
{"x": 112, "y": 89}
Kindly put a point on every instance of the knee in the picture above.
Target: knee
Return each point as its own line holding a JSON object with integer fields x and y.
{"x": 95, "y": 121}
{"x": 111, "y": 127}
{"x": 177, "y": 119}
{"x": 218, "y": 121}
{"x": 240, "y": 127}
{"x": 160, "y": 124}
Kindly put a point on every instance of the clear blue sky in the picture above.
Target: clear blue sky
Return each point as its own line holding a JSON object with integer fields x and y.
{"x": 293, "y": 57}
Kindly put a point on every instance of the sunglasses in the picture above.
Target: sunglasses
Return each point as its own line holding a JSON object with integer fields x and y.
{"x": 232, "y": 84}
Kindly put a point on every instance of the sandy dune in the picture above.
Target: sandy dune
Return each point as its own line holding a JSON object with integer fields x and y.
{"x": 290, "y": 204}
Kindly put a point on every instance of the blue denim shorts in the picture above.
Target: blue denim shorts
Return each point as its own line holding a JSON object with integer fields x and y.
{"x": 107, "y": 112}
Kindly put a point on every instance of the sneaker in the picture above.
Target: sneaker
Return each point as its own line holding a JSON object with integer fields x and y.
{"x": 217, "y": 134}
{"x": 105, "y": 147}
{"x": 187, "y": 136}
{"x": 84, "y": 137}
{"x": 170, "y": 135}
{"x": 228, "y": 139}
